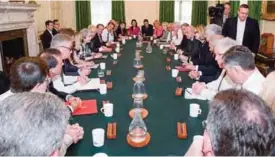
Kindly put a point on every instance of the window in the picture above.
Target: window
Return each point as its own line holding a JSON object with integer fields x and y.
{"x": 101, "y": 11}
{"x": 183, "y": 11}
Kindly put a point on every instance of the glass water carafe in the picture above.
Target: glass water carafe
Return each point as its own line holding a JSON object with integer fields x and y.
{"x": 137, "y": 128}
{"x": 139, "y": 89}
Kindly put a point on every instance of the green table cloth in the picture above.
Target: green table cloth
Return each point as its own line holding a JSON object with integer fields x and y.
{"x": 165, "y": 109}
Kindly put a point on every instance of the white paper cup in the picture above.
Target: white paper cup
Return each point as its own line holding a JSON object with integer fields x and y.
{"x": 130, "y": 38}
{"x": 98, "y": 135}
{"x": 161, "y": 47}
{"x": 107, "y": 109}
{"x": 118, "y": 44}
{"x": 176, "y": 56}
{"x": 123, "y": 41}
{"x": 134, "y": 36}
{"x": 151, "y": 38}
{"x": 175, "y": 72}
{"x": 102, "y": 66}
{"x": 155, "y": 41}
{"x": 117, "y": 49}
{"x": 115, "y": 56}
{"x": 194, "y": 110}
{"x": 103, "y": 89}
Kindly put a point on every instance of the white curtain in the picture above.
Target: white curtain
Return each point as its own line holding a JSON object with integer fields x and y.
{"x": 101, "y": 11}
{"x": 243, "y": 2}
{"x": 183, "y": 11}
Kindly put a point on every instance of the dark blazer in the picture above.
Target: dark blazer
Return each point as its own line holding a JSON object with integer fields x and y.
{"x": 147, "y": 31}
{"x": 4, "y": 83}
{"x": 46, "y": 39}
{"x": 69, "y": 69}
{"x": 55, "y": 31}
{"x": 122, "y": 32}
{"x": 251, "y": 38}
{"x": 193, "y": 50}
{"x": 95, "y": 43}
{"x": 183, "y": 44}
{"x": 61, "y": 95}
{"x": 210, "y": 78}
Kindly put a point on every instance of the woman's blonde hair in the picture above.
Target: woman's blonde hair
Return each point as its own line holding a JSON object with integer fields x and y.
{"x": 268, "y": 90}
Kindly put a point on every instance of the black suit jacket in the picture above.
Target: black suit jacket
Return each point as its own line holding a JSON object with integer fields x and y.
{"x": 55, "y": 31}
{"x": 69, "y": 69}
{"x": 149, "y": 31}
{"x": 193, "y": 50}
{"x": 95, "y": 43}
{"x": 61, "y": 95}
{"x": 46, "y": 39}
{"x": 122, "y": 32}
{"x": 251, "y": 38}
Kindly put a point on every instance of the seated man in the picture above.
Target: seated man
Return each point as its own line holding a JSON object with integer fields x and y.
{"x": 240, "y": 66}
{"x": 64, "y": 44}
{"x": 183, "y": 43}
{"x": 177, "y": 34}
{"x": 47, "y": 35}
{"x": 54, "y": 61}
{"x": 108, "y": 34}
{"x": 147, "y": 29}
{"x": 223, "y": 82}
{"x": 33, "y": 126}
{"x": 239, "y": 123}
{"x": 97, "y": 42}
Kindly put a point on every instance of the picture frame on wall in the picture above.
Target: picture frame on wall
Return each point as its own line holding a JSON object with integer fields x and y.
{"x": 268, "y": 10}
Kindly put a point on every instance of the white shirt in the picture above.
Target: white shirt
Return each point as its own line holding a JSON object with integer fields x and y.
{"x": 51, "y": 32}
{"x": 254, "y": 83}
{"x": 176, "y": 39}
{"x": 107, "y": 36}
{"x": 5, "y": 95}
{"x": 240, "y": 31}
{"x": 222, "y": 83}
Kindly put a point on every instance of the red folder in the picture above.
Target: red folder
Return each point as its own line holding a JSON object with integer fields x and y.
{"x": 87, "y": 107}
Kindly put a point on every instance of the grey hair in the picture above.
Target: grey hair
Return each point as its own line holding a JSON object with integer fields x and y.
{"x": 213, "y": 29}
{"x": 32, "y": 124}
{"x": 84, "y": 32}
{"x": 60, "y": 40}
{"x": 224, "y": 44}
{"x": 239, "y": 56}
{"x": 239, "y": 123}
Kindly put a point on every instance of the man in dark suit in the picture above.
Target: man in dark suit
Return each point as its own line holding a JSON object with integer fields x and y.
{"x": 47, "y": 35}
{"x": 147, "y": 29}
{"x": 243, "y": 29}
{"x": 97, "y": 44}
{"x": 56, "y": 26}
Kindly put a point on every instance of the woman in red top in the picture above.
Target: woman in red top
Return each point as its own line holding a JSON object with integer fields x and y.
{"x": 134, "y": 29}
{"x": 158, "y": 31}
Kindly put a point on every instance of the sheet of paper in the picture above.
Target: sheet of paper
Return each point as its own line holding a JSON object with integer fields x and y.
{"x": 68, "y": 80}
{"x": 190, "y": 95}
{"x": 92, "y": 84}
{"x": 94, "y": 66}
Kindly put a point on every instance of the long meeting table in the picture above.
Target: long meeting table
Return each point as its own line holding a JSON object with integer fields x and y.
{"x": 165, "y": 109}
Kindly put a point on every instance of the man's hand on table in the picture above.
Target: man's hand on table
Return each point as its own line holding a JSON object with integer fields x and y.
{"x": 194, "y": 74}
{"x": 75, "y": 131}
{"x": 197, "y": 87}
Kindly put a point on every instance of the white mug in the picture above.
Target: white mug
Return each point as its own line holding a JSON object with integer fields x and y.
{"x": 161, "y": 47}
{"x": 102, "y": 66}
{"x": 123, "y": 41}
{"x": 194, "y": 110}
{"x": 103, "y": 89}
{"x": 115, "y": 56}
{"x": 151, "y": 38}
{"x": 176, "y": 56}
{"x": 175, "y": 72}
{"x": 107, "y": 109}
{"x": 155, "y": 41}
{"x": 98, "y": 135}
{"x": 100, "y": 155}
{"x": 130, "y": 38}
{"x": 118, "y": 44}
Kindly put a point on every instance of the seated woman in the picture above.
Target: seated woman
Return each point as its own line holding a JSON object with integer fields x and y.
{"x": 158, "y": 31}
{"x": 267, "y": 92}
{"x": 121, "y": 31}
{"x": 82, "y": 45}
{"x": 108, "y": 34}
{"x": 167, "y": 32}
{"x": 134, "y": 29}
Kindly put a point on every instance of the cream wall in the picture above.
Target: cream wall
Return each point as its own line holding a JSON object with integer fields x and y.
{"x": 62, "y": 10}
{"x": 141, "y": 10}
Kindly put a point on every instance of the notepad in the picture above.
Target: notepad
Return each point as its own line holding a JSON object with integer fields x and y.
{"x": 91, "y": 85}
{"x": 188, "y": 94}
